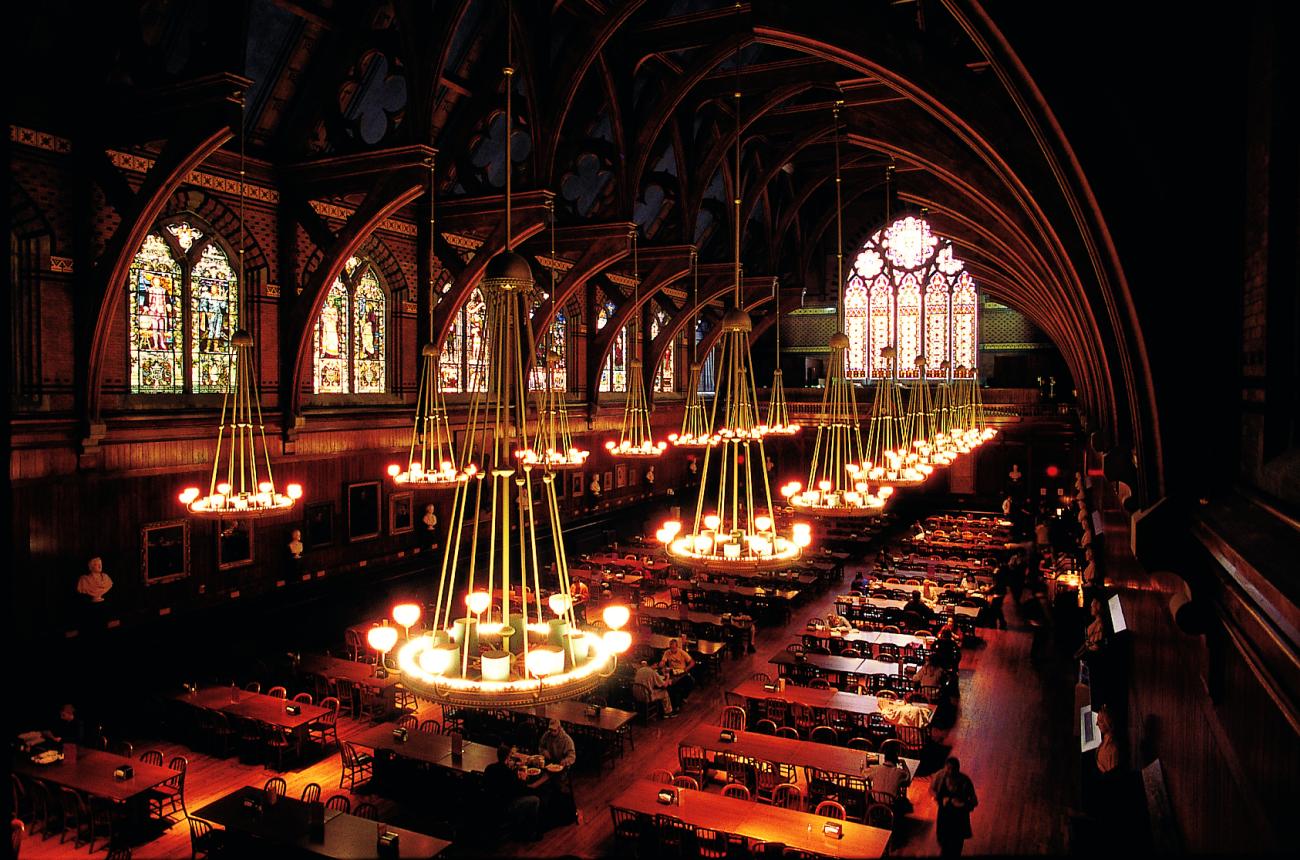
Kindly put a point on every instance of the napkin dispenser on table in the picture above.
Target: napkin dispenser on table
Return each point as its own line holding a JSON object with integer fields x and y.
{"x": 771, "y": 688}
{"x": 727, "y": 736}
{"x": 833, "y": 829}
{"x": 126, "y": 771}
{"x": 293, "y": 710}
{"x": 388, "y": 845}
{"x": 400, "y": 734}
{"x": 254, "y": 805}
{"x": 593, "y": 710}
{"x": 666, "y": 796}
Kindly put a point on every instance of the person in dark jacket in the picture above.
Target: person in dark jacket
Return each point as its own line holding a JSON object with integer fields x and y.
{"x": 955, "y": 795}
{"x": 505, "y": 790}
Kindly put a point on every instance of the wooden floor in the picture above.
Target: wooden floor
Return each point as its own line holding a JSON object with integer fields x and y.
{"x": 1013, "y": 736}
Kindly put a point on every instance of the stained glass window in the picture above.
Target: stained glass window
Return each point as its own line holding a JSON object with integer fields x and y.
{"x": 552, "y": 346}
{"x": 964, "y": 301}
{"x": 214, "y": 312}
{"x": 613, "y": 373}
{"x": 368, "y": 332}
{"x": 464, "y": 366}
{"x": 665, "y": 374}
{"x": 856, "y": 302}
{"x": 709, "y": 365}
{"x": 936, "y": 324}
{"x": 904, "y": 292}
{"x": 183, "y": 308}
{"x": 908, "y": 326}
{"x": 155, "y": 324}
{"x": 351, "y": 338}
{"x": 331, "y": 365}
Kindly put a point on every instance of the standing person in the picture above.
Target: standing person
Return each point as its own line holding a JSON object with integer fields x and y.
{"x": 677, "y": 664}
{"x": 955, "y": 794}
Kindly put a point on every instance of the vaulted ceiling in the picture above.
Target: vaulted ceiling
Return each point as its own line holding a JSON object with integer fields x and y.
{"x": 624, "y": 109}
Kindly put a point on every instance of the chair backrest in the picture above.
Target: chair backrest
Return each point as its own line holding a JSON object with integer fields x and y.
{"x": 661, "y": 775}
{"x": 641, "y": 693}
{"x": 410, "y": 722}
{"x": 253, "y": 686}
{"x": 765, "y": 727}
{"x": 154, "y": 757}
{"x": 200, "y": 835}
{"x": 433, "y": 727}
{"x": 72, "y": 800}
{"x": 795, "y": 648}
{"x": 824, "y": 735}
{"x": 348, "y": 754}
{"x": 332, "y": 703}
{"x": 278, "y": 692}
{"x": 888, "y": 695}
{"x": 691, "y": 757}
{"x": 180, "y": 765}
{"x": 787, "y": 732}
{"x": 788, "y": 796}
{"x": 367, "y": 810}
{"x": 339, "y": 802}
{"x": 686, "y": 782}
{"x": 276, "y": 786}
{"x": 736, "y": 790}
{"x": 860, "y": 744}
{"x": 830, "y": 809}
{"x": 880, "y": 815}
{"x": 311, "y": 792}
{"x": 761, "y": 676}
{"x": 124, "y": 748}
{"x": 733, "y": 717}
{"x": 305, "y": 698}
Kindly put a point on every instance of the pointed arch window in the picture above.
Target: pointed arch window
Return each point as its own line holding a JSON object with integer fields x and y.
{"x": 463, "y": 367}
{"x": 613, "y": 373}
{"x": 350, "y": 340}
{"x": 908, "y": 290}
{"x": 665, "y": 373}
{"x": 182, "y": 311}
{"x": 553, "y": 345}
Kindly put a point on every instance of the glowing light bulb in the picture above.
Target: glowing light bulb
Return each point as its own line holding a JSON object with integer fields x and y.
{"x": 406, "y": 614}
{"x": 559, "y": 603}
{"x": 618, "y": 641}
{"x": 712, "y": 521}
{"x": 672, "y": 527}
{"x": 824, "y": 486}
{"x": 293, "y": 491}
{"x": 394, "y": 470}
{"x": 478, "y": 601}
{"x": 435, "y": 661}
{"x": 382, "y": 638}
{"x": 616, "y": 615}
{"x": 763, "y": 523}
{"x": 223, "y": 489}
{"x": 189, "y": 495}
{"x": 265, "y": 487}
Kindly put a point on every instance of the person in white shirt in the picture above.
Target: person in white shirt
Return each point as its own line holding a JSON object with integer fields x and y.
{"x": 657, "y": 686}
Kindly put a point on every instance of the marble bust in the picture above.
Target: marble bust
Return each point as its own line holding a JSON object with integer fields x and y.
{"x": 94, "y": 583}
{"x": 595, "y": 485}
{"x": 295, "y": 543}
{"x": 650, "y": 475}
{"x": 430, "y": 518}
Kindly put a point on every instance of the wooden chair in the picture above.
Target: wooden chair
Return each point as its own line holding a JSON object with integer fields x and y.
{"x": 356, "y": 765}
{"x": 662, "y": 776}
{"x": 911, "y": 738}
{"x": 692, "y": 763}
{"x": 787, "y": 732}
{"x": 278, "y": 692}
{"x": 627, "y": 829}
{"x": 345, "y": 693}
{"x": 303, "y": 698}
{"x": 880, "y": 815}
{"x": 684, "y": 781}
{"x": 676, "y": 837}
{"x": 433, "y": 727}
{"x": 795, "y": 648}
{"x": 276, "y": 787}
{"x": 802, "y": 718}
{"x": 204, "y": 839}
{"x": 788, "y": 796}
{"x": 171, "y": 794}
{"x": 775, "y": 710}
{"x": 367, "y": 811}
{"x": 75, "y": 818}
{"x": 761, "y": 677}
{"x": 860, "y": 744}
{"x": 646, "y": 704}
{"x": 732, "y": 698}
{"x": 253, "y": 686}
{"x": 325, "y": 729}
{"x": 736, "y": 790}
{"x": 733, "y": 718}
{"x": 311, "y": 792}
{"x": 710, "y": 844}
{"x": 888, "y": 695}
{"x": 153, "y": 757}
{"x": 830, "y": 809}
{"x": 222, "y": 733}
{"x": 123, "y": 748}
{"x": 824, "y": 735}
{"x": 45, "y": 810}
{"x": 410, "y": 722}
{"x": 340, "y": 802}
{"x": 765, "y": 727}
{"x": 766, "y": 779}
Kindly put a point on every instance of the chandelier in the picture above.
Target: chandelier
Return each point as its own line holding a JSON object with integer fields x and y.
{"x": 889, "y": 455}
{"x": 778, "y": 411}
{"x": 734, "y": 528}
{"x": 837, "y": 485}
{"x": 245, "y": 487}
{"x": 695, "y": 432}
{"x": 635, "y": 439}
{"x": 553, "y": 445}
{"x": 918, "y": 422}
{"x": 506, "y": 650}
{"x": 431, "y": 458}
{"x": 970, "y": 428}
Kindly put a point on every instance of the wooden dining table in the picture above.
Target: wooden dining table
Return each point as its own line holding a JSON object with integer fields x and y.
{"x": 760, "y": 822}
{"x": 836, "y": 639}
{"x": 836, "y": 664}
{"x": 255, "y": 706}
{"x": 791, "y": 751}
{"x": 574, "y": 713}
{"x": 286, "y": 823}
{"x": 91, "y": 772}
{"x": 427, "y": 747}
{"x": 849, "y": 704}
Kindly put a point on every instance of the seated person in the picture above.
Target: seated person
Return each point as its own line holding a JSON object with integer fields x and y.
{"x": 947, "y": 651}
{"x": 859, "y": 582}
{"x": 929, "y": 675}
{"x": 646, "y": 676}
{"x": 67, "y": 728}
{"x": 678, "y": 664}
{"x": 836, "y": 621}
{"x": 556, "y": 746}
{"x": 890, "y": 776}
{"x": 506, "y": 791}
{"x": 916, "y": 606}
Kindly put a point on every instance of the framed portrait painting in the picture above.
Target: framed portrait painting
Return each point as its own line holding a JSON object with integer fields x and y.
{"x": 165, "y": 551}
{"x": 319, "y": 524}
{"x": 363, "y": 511}
{"x": 400, "y": 518}
{"x": 234, "y": 543}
